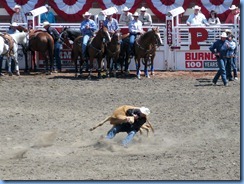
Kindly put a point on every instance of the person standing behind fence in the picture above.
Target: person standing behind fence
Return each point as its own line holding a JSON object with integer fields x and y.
{"x": 231, "y": 46}
{"x": 135, "y": 28}
{"x": 48, "y": 16}
{"x": 233, "y": 14}
{"x": 125, "y": 17}
{"x": 145, "y": 17}
{"x": 87, "y": 27}
{"x": 197, "y": 18}
{"x": 233, "y": 59}
{"x": 57, "y": 44}
{"x": 219, "y": 50}
{"x": 18, "y": 17}
{"x": 213, "y": 19}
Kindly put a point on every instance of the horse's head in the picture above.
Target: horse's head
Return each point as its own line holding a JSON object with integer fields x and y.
{"x": 157, "y": 37}
{"x": 104, "y": 33}
{"x": 116, "y": 37}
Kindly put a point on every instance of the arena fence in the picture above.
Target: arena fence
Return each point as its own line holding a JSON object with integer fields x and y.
{"x": 184, "y": 47}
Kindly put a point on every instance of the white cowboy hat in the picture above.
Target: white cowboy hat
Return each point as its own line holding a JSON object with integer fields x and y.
{"x": 47, "y": 6}
{"x": 126, "y": 9}
{"x": 145, "y": 111}
{"x": 196, "y": 7}
{"x": 143, "y": 9}
{"x": 136, "y": 14}
{"x": 87, "y": 14}
{"x": 228, "y": 31}
{"x": 17, "y": 6}
{"x": 14, "y": 24}
{"x": 45, "y": 23}
{"x": 233, "y": 7}
{"x": 224, "y": 35}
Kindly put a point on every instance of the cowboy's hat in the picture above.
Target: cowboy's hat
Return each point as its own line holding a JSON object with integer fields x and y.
{"x": 228, "y": 31}
{"x": 224, "y": 35}
{"x": 14, "y": 24}
{"x": 136, "y": 14}
{"x": 143, "y": 9}
{"x": 196, "y": 7}
{"x": 126, "y": 9}
{"x": 47, "y": 6}
{"x": 17, "y": 7}
{"x": 145, "y": 111}
{"x": 86, "y": 14}
{"x": 233, "y": 7}
{"x": 45, "y": 23}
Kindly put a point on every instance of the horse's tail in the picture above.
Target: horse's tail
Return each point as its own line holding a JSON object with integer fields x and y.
{"x": 100, "y": 124}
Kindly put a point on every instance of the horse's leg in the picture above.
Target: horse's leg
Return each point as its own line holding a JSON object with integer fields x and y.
{"x": 145, "y": 68}
{"x": 138, "y": 72}
{"x": 16, "y": 63}
{"x": 9, "y": 59}
{"x": 108, "y": 66}
{"x": 90, "y": 67}
{"x": 99, "y": 62}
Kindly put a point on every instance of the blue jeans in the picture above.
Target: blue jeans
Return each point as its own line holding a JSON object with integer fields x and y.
{"x": 233, "y": 65}
{"x": 57, "y": 54}
{"x": 228, "y": 68}
{"x": 84, "y": 44}
{"x": 132, "y": 41}
{"x": 119, "y": 128}
{"x": 221, "y": 72}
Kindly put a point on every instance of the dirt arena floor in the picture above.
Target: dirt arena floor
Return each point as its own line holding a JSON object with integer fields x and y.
{"x": 45, "y": 121}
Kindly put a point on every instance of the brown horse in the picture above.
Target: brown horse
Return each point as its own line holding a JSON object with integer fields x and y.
{"x": 112, "y": 52}
{"x": 77, "y": 52}
{"x": 145, "y": 48}
{"x": 96, "y": 49}
{"x": 42, "y": 41}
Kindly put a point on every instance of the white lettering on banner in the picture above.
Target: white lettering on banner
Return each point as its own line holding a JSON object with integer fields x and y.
{"x": 199, "y": 60}
{"x": 65, "y": 54}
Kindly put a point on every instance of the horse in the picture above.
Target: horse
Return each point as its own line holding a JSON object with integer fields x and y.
{"x": 42, "y": 41}
{"x": 145, "y": 48}
{"x": 71, "y": 34}
{"x": 112, "y": 52}
{"x": 124, "y": 53}
{"x": 77, "y": 52}
{"x": 10, "y": 49}
{"x": 96, "y": 49}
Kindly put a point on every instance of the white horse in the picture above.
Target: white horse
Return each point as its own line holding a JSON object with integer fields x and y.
{"x": 20, "y": 38}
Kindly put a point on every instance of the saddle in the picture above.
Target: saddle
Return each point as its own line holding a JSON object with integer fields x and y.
{"x": 8, "y": 40}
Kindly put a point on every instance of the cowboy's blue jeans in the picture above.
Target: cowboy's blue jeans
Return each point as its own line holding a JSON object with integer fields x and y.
{"x": 233, "y": 65}
{"x": 132, "y": 41}
{"x": 116, "y": 129}
{"x": 84, "y": 44}
{"x": 57, "y": 54}
{"x": 221, "y": 72}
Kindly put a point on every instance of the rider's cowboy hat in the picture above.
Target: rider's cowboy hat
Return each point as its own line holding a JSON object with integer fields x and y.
{"x": 224, "y": 35}
{"x": 126, "y": 9}
{"x": 143, "y": 9}
{"x": 136, "y": 14}
{"x": 14, "y": 24}
{"x": 233, "y": 7}
{"x": 86, "y": 14}
{"x": 196, "y": 7}
{"x": 17, "y": 7}
{"x": 47, "y": 6}
{"x": 45, "y": 23}
{"x": 145, "y": 111}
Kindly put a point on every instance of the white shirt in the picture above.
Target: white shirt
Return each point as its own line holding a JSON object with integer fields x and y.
{"x": 197, "y": 20}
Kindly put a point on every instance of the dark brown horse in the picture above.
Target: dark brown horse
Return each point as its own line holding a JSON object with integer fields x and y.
{"x": 76, "y": 52}
{"x": 112, "y": 52}
{"x": 42, "y": 42}
{"x": 145, "y": 48}
{"x": 96, "y": 49}
{"x": 124, "y": 53}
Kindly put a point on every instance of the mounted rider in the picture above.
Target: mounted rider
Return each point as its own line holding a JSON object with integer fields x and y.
{"x": 111, "y": 23}
{"x": 87, "y": 27}
{"x": 135, "y": 28}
